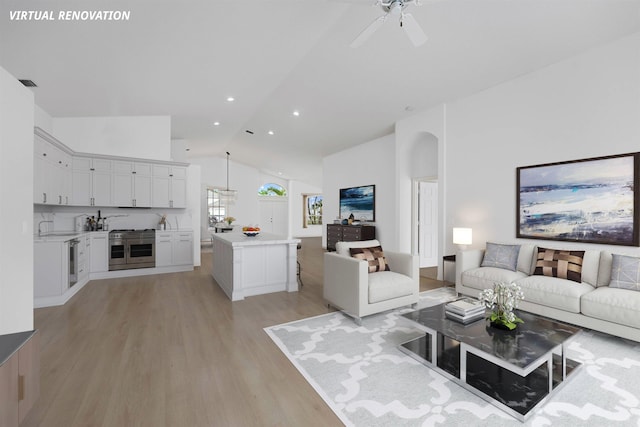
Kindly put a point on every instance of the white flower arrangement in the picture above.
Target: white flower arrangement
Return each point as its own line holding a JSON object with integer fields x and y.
{"x": 502, "y": 300}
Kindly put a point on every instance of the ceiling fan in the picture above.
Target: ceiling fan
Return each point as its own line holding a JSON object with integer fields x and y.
{"x": 394, "y": 8}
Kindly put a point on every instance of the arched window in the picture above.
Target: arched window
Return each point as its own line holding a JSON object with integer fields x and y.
{"x": 271, "y": 189}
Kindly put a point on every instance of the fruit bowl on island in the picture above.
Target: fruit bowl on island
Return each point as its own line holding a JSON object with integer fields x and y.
{"x": 251, "y": 231}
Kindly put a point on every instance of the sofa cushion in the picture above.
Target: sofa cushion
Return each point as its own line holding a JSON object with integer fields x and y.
{"x": 613, "y": 305}
{"x": 386, "y": 285}
{"x": 486, "y": 277}
{"x": 342, "y": 248}
{"x": 560, "y": 263}
{"x": 501, "y": 256}
{"x": 604, "y": 270}
{"x": 591, "y": 267}
{"x": 554, "y": 292}
{"x": 625, "y": 272}
{"x": 526, "y": 259}
{"x": 374, "y": 257}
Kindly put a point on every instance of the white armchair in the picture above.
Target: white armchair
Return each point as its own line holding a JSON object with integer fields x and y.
{"x": 350, "y": 287}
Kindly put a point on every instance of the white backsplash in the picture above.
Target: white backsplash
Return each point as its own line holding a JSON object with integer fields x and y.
{"x": 63, "y": 218}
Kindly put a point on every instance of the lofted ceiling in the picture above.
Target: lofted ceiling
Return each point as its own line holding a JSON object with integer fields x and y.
{"x": 183, "y": 59}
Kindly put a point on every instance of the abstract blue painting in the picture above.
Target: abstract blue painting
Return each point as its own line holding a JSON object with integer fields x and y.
{"x": 359, "y": 201}
{"x": 590, "y": 200}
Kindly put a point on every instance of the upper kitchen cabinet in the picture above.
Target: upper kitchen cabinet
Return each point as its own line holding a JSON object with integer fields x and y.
{"x": 91, "y": 181}
{"x": 63, "y": 177}
{"x": 131, "y": 184}
{"x": 169, "y": 186}
{"x": 52, "y": 172}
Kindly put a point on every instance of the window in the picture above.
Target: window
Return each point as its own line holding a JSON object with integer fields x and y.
{"x": 271, "y": 189}
{"x": 216, "y": 207}
{"x": 312, "y": 209}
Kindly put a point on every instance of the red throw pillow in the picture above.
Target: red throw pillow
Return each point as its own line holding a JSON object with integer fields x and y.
{"x": 374, "y": 256}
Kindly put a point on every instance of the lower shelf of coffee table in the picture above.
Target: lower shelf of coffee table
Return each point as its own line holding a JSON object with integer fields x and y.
{"x": 517, "y": 395}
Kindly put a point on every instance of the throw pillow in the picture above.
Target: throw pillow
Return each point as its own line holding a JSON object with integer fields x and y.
{"x": 501, "y": 256}
{"x": 625, "y": 272}
{"x": 560, "y": 264}
{"x": 374, "y": 256}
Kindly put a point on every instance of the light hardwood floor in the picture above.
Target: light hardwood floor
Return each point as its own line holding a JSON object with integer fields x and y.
{"x": 172, "y": 350}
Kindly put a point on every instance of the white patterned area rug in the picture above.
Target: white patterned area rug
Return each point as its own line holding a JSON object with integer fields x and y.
{"x": 367, "y": 381}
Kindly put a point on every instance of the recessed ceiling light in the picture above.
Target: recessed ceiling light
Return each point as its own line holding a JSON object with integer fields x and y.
{"x": 216, "y": 123}
{"x": 230, "y": 99}
{"x": 280, "y": 173}
{"x": 296, "y": 113}
{"x": 270, "y": 132}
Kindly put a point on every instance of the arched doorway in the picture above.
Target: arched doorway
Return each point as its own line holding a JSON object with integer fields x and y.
{"x": 425, "y": 202}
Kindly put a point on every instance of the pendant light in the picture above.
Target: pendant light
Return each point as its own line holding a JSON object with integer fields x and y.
{"x": 230, "y": 195}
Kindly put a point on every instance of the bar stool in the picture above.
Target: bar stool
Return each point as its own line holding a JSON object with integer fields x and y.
{"x": 299, "y": 268}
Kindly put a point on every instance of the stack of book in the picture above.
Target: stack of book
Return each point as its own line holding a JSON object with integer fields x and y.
{"x": 465, "y": 310}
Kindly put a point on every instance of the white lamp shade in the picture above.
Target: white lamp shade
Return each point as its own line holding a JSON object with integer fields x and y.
{"x": 462, "y": 236}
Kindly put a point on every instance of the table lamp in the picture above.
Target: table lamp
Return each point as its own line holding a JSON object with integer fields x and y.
{"x": 462, "y": 237}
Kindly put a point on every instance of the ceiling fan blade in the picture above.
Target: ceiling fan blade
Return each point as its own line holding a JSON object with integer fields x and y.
{"x": 413, "y": 30}
{"x": 367, "y": 32}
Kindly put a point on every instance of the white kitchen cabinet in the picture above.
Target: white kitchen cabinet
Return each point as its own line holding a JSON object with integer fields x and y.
{"x": 183, "y": 248}
{"x": 52, "y": 173}
{"x": 91, "y": 181}
{"x": 174, "y": 248}
{"x": 51, "y": 269}
{"x": 132, "y": 184}
{"x": 169, "y": 186}
{"x": 84, "y": 247}
{"x": 164, "y": 248}
{"x": 99, "y": 253}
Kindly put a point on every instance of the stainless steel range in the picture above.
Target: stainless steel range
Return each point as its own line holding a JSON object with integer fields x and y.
{"x": 132, "y": 249}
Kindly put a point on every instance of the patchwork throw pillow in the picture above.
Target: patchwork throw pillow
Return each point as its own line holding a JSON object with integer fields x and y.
{"x": 501, "y": 256}
{"x": 560, "y": 264}
{"x": 374, "y": 256}
{"x": 625, "y": 272}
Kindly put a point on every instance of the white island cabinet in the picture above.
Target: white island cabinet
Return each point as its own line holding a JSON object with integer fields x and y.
{"x": 245, "y": 266}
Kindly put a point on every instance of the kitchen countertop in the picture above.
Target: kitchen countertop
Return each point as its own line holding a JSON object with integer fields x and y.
{"x": 65, "y": 236}
{"x": 240, "y": 239}
{"x": 11, "y": 343}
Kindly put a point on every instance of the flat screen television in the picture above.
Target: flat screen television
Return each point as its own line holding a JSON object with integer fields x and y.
{"x": 359, "y": 201}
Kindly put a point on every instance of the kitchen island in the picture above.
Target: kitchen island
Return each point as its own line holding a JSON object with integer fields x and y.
{"x": 245, "y": 266}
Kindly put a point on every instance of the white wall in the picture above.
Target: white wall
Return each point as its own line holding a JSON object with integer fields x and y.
{"x": 43, "y": 120}
{"x": 147, "y": 137}
{"x": 16, "y": 209}
{"x": 244, "y": 179}
{"x": 582, "y": 107}
{"x": 247, "y": 180}
{"x": 586, "y": 106}
{"x": 369, "y": 163}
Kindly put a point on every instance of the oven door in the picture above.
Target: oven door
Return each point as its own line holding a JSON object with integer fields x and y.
{"x": 117, "y": 254}
{"x": 141, "y": 253}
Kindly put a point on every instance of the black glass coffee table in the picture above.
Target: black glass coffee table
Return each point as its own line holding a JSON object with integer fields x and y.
{"x": 516, "y": 371}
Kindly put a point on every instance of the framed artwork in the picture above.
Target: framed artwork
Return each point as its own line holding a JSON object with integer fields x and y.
{"x": 589, "y": 200}
{"x": 359, "y": 201}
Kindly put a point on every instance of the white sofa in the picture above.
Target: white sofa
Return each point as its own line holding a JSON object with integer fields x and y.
{"x": 349, "y": 286}
{"x": 591, "y": 304}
